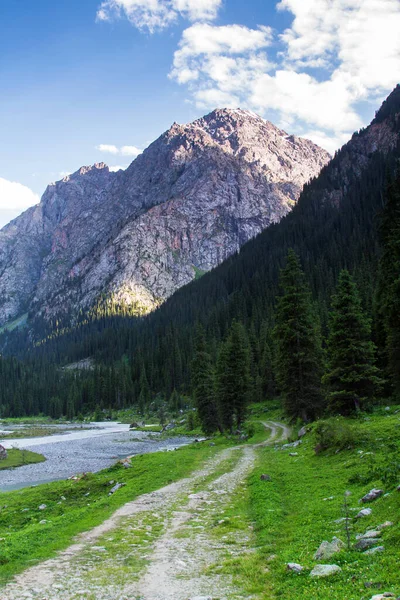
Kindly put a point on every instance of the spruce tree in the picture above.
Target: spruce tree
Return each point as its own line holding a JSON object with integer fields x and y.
{"x": 298, "y": 356}
{"x": 388, "y": 290}
{"x": 351, "y": 376}
{"x": 233, "y": 378}
{"x": 203, "y": 384}
{"x": 144, "y": 395}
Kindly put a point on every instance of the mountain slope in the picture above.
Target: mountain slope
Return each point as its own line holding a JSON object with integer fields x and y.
{"x": 192, "y": 199}
{"x": 333, "y": 226}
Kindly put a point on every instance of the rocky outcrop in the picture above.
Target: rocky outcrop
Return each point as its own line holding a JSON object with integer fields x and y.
{"x": 191, "y": 200}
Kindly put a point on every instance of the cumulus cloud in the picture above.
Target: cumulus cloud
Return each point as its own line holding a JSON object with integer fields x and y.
{"x": 353, "y": 44}
{"x": 311, "y": 76}
{"x": 130, "y": 151}
{"x": 220, "y": 63}
{"x": 123, "y": 151}
{"x": 154, "y": 15}
{"x": 14, "y": 199}
{"x": 116, "y": 168}
{"x": 108, "y": 148}
{"x": 358, "y": 38}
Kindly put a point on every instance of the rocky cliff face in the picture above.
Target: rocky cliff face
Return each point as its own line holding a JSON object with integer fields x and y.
{"x": 187, "y": 203}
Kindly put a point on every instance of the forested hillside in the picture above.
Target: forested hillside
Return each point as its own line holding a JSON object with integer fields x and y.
{"x": 334, "y": 226}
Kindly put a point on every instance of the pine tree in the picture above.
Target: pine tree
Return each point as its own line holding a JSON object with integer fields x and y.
{"x": 352, "y": 376}
{"x": 144, "y": 395}
{"x": 202, "y": 377}
{"x": 388, "y": 290}
{"x": 233, "y": 378}
{"x": 298, "y": 358}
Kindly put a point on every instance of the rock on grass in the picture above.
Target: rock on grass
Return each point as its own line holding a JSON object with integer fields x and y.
{"x": 372, "y": 495}
{"x": 325, "y": 570}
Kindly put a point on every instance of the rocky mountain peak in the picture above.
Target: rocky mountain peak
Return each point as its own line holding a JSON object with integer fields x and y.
{"x": 92, "y": 169}
{"x": 245, "y": 135}
{"x": 187, "y": 203}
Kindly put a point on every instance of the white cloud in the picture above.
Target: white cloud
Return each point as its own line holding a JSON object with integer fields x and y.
{"x": 14, "y": 198}
{"x": 358, "y": 38}
{"x": 116, "y": 168}
{"x": 154, "y": 15}
{"x": 123, "y": 151}
{"x": 355, "y": 44}
{"x": 221, "y": 60}
{"x": 329, "y": 142}
{"x": 130, "y": 151}
{"x": 107, "y": 148}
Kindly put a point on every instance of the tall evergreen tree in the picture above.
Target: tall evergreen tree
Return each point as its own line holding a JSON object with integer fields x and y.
{"x": 388, "y": 289}
{"x": 298, "y": 358}
{"x": 233, "y": 378}
{"x": 202, "y": 377}
{"x": 352, "y": 377}
{"x": 144, "y": 395}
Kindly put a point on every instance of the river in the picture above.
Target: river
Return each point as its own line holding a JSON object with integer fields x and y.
{"x": 79, "y": 451}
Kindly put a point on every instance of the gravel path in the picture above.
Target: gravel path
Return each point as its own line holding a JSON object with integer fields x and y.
{"x": 157, "y": 547}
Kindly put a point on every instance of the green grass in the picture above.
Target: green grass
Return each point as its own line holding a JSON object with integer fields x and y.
{"x": 198, "y": 273}
{"x": 29, "y": 432}
{"x": 292, "y": 518}
{"x": 18, "y": 458}
{"x": 11, "y": 325}
{"x": 24, "y": 541}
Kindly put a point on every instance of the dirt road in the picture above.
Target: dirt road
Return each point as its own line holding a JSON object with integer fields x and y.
{"x": 159, "y": 547}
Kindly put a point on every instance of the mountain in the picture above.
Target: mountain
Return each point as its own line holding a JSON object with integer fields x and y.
{"x": 333, "y": 226}
{"x": 191, "y": 200}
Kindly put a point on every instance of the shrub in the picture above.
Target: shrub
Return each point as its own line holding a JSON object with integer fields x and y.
{"x": 334, "y": 434}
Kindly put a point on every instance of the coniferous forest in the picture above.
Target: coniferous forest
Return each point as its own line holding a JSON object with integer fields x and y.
{"x": 307, "y": 312}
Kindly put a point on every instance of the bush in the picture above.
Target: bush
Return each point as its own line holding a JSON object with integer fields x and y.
{"x": 334, "y": 434}
{"x": 250, "y": 430}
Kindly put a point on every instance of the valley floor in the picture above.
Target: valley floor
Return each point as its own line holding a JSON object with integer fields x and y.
{"x": 161, "y": 546}
{"x": 223, "y": 531}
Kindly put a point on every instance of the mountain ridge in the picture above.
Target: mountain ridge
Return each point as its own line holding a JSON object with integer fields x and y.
{"x": 189, "y": 201}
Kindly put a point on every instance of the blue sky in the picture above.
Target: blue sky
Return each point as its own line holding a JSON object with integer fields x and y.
{"x": 83, "y": 81}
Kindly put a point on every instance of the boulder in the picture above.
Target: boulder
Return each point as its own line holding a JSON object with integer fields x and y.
{"x": 368, "y": 535}
{"x": 265, "y": 477}
{"x": 133, "y": 425}
{"x": 325, "y": 570}
{"x": 116, "y": 487}
{"x": 292, "y": 444}
{"x": 366, "y": 543}
{"x": 302, "y": 432}
{"x": 372, "y": 495}
{"x": 328, "y": 549}
{"x": 383, "y": 596}
{"x": 365, "y": 512}
{"x": 384, "y": 525}
{"x": 293, "y": 453}
{"x": 294, "y": 567}
{"x": 3, "y": 453}
{"x": 375, "y": 550}
{"x": 43, "y": 507}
